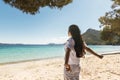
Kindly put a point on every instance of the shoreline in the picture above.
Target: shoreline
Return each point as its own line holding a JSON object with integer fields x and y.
{"x": 30, "y": 60}
{"x": 40, "y": 59}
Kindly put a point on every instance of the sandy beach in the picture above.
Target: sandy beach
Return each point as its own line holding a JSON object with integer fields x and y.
{"x": 92, "y": 68}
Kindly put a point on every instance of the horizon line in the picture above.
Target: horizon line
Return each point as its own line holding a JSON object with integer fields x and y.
{"x": 30, "y": 43}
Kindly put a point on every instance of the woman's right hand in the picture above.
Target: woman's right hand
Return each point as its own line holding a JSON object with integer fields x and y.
{"x": 67, "y": 67}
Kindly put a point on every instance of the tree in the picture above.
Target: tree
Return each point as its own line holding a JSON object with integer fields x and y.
{"x": 33, "y": 6}
{"x": 111, "y": 21}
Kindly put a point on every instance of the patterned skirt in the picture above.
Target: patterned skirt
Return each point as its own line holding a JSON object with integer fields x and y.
{"x": 73, "y": 74}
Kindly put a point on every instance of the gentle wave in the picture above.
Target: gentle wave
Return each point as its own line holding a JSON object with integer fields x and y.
{"x": 22, "y": 53}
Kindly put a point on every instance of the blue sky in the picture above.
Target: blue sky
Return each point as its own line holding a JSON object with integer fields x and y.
{"x": 50, "y": 25}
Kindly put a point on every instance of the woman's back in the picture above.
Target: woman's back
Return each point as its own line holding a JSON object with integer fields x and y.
{"x": 72, "y": 58}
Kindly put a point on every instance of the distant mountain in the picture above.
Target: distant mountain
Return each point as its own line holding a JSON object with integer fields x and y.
{"x": 50, "y": 44}
{"x": 92, "y": 36}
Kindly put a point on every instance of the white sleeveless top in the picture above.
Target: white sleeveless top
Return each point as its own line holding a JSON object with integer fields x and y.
{"x": 72, "y": 58}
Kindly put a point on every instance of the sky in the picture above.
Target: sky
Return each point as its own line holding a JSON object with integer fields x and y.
{"x": 50, "y": 25}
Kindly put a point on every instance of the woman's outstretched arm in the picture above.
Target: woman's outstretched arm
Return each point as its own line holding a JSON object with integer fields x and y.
{"x": 92, "y": 52}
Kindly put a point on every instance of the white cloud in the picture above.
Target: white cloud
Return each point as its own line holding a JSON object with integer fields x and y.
{"x": 58, "y": 40}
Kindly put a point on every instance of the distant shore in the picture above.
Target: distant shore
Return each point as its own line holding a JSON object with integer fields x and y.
{"x": 107, "y": 68}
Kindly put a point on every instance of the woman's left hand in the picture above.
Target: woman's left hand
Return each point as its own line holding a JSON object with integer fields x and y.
{"x": 100, "y": 56}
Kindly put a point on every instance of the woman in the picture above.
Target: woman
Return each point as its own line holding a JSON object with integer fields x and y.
{"x": 75, "y": 49}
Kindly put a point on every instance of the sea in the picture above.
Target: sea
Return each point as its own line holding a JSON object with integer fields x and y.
{"x": 16, "y": 53}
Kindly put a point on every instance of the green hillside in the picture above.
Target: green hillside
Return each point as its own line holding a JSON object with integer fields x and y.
{"x": 92, "y": 36}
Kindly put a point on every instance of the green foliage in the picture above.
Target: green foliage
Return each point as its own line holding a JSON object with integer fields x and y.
{"x": 107, "y": 34}
{"x": 33, "y": 6}
{"x": 111, "y": 23}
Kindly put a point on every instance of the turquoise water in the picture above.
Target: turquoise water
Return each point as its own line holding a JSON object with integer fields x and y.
{"x": 28, "y": 52}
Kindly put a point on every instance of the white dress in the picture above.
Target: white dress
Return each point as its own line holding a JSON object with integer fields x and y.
{"x": 73, "y": 62}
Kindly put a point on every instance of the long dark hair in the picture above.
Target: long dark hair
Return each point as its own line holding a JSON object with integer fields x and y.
{"x": 76, "y": 35}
